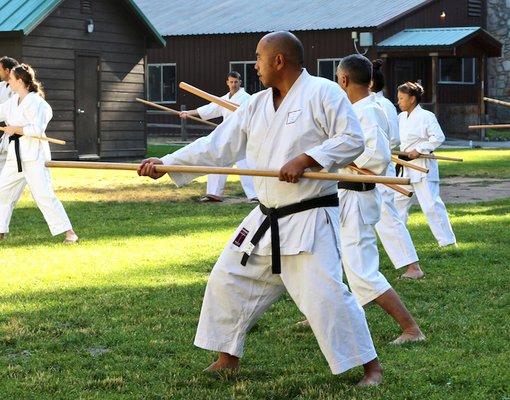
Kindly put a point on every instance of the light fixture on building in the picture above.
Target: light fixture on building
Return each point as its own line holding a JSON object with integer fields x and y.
{"x": 90, "y": 26}
{"x": 442, "y": 15}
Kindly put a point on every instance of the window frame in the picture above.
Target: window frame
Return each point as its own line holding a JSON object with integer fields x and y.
{"x": 245, "y": 63}
{"x": 161, "y": 82}
{"x": 339, "y": 59}
{"x": 473, "y": 82}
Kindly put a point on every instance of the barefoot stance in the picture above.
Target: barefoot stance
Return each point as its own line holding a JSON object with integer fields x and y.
{"x": 406, "y": 337}
{"x": 413, "y": 272}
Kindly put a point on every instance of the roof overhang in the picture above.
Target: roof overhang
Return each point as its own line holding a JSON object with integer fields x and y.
{"x": 457, "y": 42}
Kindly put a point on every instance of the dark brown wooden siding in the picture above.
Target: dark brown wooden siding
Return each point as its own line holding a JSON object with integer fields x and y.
{"x": 429, "y": 17}
{"x": 203, "y": 61}
{"x": 52, "y": 48}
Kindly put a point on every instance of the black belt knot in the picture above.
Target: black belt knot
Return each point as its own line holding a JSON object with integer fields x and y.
{"x": 16, "y": 149}
{"x": 271, "y": 221}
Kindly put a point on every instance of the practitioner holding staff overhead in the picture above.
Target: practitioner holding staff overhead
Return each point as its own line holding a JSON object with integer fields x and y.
{"x": 26, "y": 115}
{"x": 420, "y": 133}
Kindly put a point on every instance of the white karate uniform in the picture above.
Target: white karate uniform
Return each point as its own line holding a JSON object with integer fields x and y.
{"x": 5, "y": 94}
{"x": 392, "y": 231}
{"x": 33, "y": 114}
{"x": 314, "y": 117}
{"x": 360, "y": 211}
{"x": 420, "y": 131}
{"x": 216, "y": 183}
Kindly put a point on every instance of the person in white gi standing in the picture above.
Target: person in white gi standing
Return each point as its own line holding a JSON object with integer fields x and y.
{"x": 27, "y": 113}
{"x": 392, "y": 231}
{"x": 360, "y": 204}
{"x": 237, "y": 95}
{"x": 420, "y": 133}
{"x": 6, "y": 64}
{"x": 300, "y": 122}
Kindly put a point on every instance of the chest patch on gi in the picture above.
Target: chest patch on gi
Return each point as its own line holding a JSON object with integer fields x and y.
{"x": 292, "y": 116}
{"x": 238, "y": 241}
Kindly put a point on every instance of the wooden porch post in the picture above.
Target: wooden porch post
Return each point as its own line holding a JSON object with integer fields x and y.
{"x": 481, "y": 62}
{"x": 434, "y": 57}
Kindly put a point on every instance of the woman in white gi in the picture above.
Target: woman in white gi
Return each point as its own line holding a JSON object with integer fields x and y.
{"x": 6, "y": 65}
{"x": 26, "y": 115}
{"x": 360, "y": 204}
{"x": 392, "y": 231}
{"x": 216, "y": 183}
{"x": 420, "y": 133}
{"x": 299, "y": 122}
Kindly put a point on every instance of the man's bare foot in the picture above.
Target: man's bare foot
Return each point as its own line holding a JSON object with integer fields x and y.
{"x": 303, "y": 324}
{"x": 409, "y": 336}
{"x": 225, "y": 362}
{"x": 373, "y": 374}
{"x": 413, "y": 272}
{"x": 71, "y": 237}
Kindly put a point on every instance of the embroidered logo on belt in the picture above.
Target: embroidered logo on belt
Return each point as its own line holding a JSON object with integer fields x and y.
{"x": 238, "y": 241}
{"x": 293, "y": 116}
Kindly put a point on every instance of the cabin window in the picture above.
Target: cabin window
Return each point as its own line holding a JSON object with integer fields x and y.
{"x": 246, "y": 69}
{"x": 475, "y": 8}
{"x": 162, "y": 83}
{"x": 326, "y": 68}
{"x": 457, "y": 70}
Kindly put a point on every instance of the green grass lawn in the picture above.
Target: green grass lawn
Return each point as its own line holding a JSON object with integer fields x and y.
{"x": 114, "y": 317}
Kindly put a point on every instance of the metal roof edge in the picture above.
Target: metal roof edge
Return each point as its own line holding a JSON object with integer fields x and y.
{"x": 159, "y": 38}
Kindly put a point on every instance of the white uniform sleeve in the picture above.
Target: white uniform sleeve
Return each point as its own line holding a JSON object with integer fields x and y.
{"x": 337, "y": 119}
{"x": 3, "y": 111}
{"x": 222, "y": 147}
{"x": 376, "y": 155}
{"x": 209, "y": 111}
{"x": 435, "y": 136}
{"x": 391, "y": 113}
{"x": 38, "y": 116}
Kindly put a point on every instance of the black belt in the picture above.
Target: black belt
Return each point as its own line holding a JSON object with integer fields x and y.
{"x": 399, "y": 169}
{"x": 16, "y": 149}
{"x": 357, "y": 186}
{"x": 271, "y": 221}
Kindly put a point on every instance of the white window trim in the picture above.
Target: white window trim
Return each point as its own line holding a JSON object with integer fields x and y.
{"x": 240, "y": 62}
{"x": 459, "y": 82}
{"x": 161, "y": 83}
{"x": 328, "y": 59}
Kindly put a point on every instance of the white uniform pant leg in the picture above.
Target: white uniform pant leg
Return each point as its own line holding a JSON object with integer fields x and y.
{"x": 3, "y": 157}
{"x": 393, "y": 233}
{"x": 12, "y": 184}
{"x": 39, "y": 182}
{"x": 314, "y": 281}
{"x": 216, "y": 184}
{"x": 234, "y": 299}
{"x": 236, "y": 296}
{"x": 427, "y": 193}
{"x": 403, "y": 204}
{"x": 360, "y": 256}
{"x": 247, "y": 181}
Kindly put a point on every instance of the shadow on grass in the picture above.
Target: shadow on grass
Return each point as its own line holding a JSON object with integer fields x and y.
{"x": 97, "y": 221}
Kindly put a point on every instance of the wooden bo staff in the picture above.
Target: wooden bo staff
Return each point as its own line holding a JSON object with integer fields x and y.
{"x": 44, "y": 138}
{"x": 367, "y": 172}
{"x": 429, "y": 156}
{"x": 500, "y": 126}
{"x": 172, "y": 111}
{"x": 407, "y": 164}
{"x": 501, "y": 103}
{"x": 209, "y": 97}
{"x": 198, "y": 169}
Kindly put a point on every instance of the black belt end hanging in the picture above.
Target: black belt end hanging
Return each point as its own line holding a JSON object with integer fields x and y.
{"x": 16, "y": 150}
